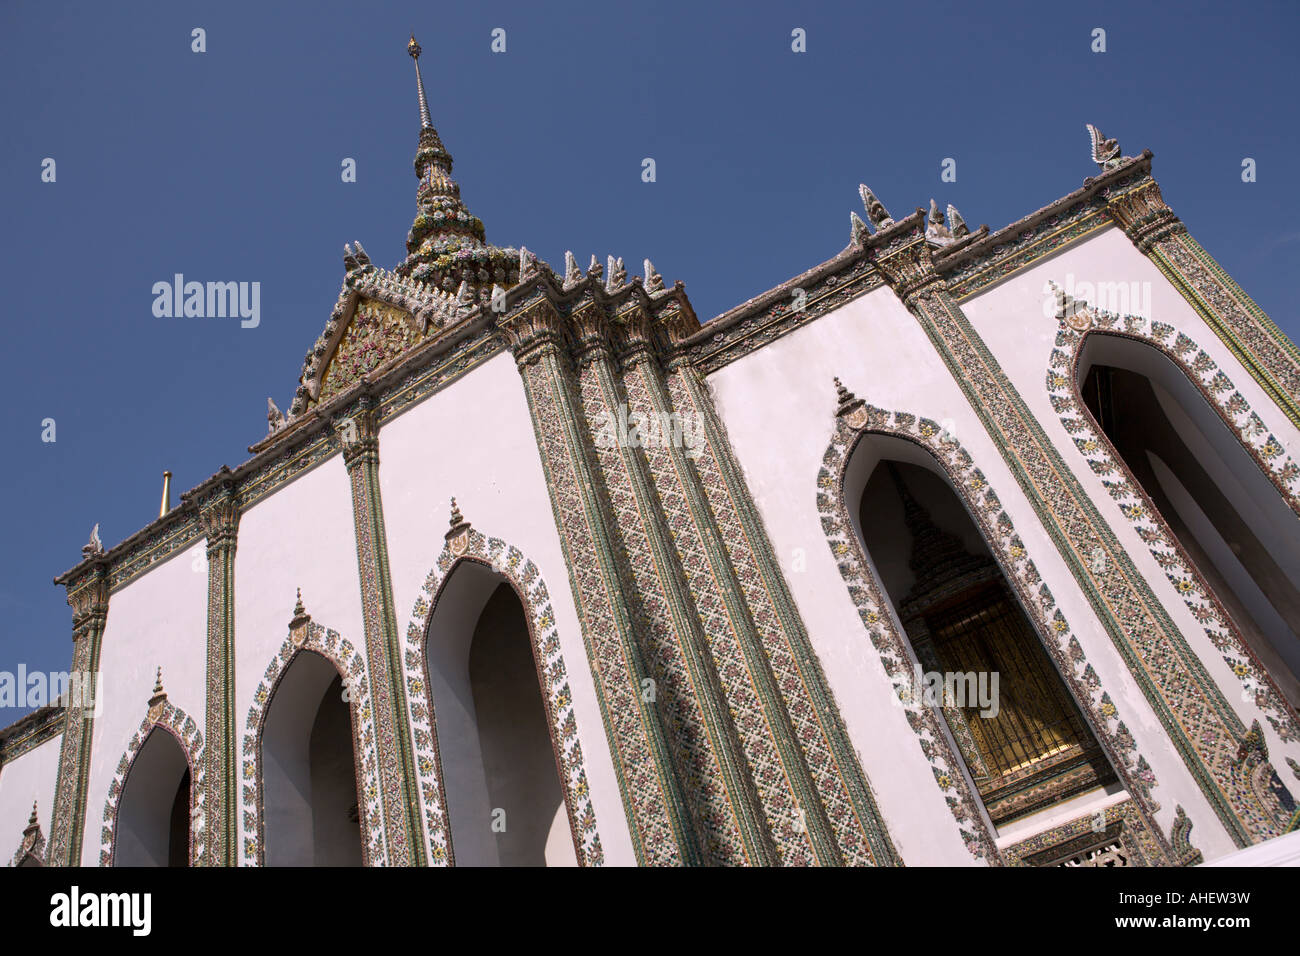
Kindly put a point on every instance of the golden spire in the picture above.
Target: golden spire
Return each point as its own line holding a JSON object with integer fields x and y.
{"x": 166, "y": 505}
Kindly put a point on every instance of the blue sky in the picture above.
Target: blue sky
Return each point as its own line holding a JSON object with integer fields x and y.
{"x": 225, "y": 166}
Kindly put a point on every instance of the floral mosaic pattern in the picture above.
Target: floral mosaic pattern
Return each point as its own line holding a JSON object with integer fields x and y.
{"x": 1036, "y": 598}
{"x": 1264, "y": 447}
{"x": 377, "y": 333}
{"x": 351, "y": 665}
{"x": 656, "y": 809}
{"x": 31, "y": 845}
{"x": 673, "y": 654}
{"x": 832, "y": 771}
{"x": 533, "y": 593}
{"x": 166, "y": 718}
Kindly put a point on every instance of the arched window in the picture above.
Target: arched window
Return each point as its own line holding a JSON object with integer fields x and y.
{"x": 1019, "y": 731}
{"x": 1225, "y": 514}
{"x": 505, "y": 804}
{"x": 309, "y": 775}
{"x": 153, "y": 818}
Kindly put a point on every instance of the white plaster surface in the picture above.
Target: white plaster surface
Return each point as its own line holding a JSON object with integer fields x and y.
{"x": 474, "y": 440}
{"x": 29, "y": 778}
{"x": 778, "y": 405}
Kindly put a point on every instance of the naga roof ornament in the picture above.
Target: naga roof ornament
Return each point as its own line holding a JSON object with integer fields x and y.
{"x": 877, "y": 214}
{"x": 956, "y": 223}
{"x": 936, "y": 232}
{"x": 1105, "y": 152}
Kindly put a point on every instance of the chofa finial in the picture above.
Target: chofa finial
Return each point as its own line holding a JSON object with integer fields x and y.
{"x": 956, "y": 223}
{"x": 654, "y": 282}
{"x": 94, "y": 546}
{"x": 936, "y": 232}
{"x": 1105, "y": 152}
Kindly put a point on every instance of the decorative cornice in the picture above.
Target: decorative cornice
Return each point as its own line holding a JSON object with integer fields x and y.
{"x": 218, "y": 509}
{"x": 1142, "y": 213}
{"x": 357, "y": 428}
{"x": 29, "y": 732}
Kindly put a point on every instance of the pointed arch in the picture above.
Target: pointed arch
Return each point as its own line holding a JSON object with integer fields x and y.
{"x": 163, "y": 717}
{"x": 306, "y": 635}
{"x": 1079, "y": 322}
{"x": 467, "y": 544}
{"x": 854, "y": 422}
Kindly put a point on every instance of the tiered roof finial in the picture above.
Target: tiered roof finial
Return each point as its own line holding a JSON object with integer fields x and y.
{"x": 447, "y": 245}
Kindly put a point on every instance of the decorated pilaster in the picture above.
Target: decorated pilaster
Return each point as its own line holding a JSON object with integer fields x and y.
{"x": 792, "y": 811}
{"x": 358, "y": 432}
{"x": 812, "y": 788}
{"x": 705, "y": 742}
{"x": 87, "y": 589}
{"x": 219, "y": 515}
{"x": 1202, "y": 725}
{"x": 660, "y": 823}
{"x": 1136, "y": 206}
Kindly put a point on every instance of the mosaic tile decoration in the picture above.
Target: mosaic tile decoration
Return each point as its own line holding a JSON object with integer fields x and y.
{"x": 727, "y": 626}
{"x": 1136, "y": 506}
{"x": 350, "y": 662}
{"x": 88, "y": 596}
{"x": 163, "y": 717}
{"x": 676, "y": 643}
{"x": 1119, "y": 830}
{"x": 359, "y": 433}
{"x": 658, "y": 817}
{"x": 877, "y": 615}
{"x": 471, "y": 545}
{"x": 798, "y": 695}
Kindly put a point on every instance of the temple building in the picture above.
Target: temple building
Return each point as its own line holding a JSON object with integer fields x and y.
{"x": 963, "y": 547}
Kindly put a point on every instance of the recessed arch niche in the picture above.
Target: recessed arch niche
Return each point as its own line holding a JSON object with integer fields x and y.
{"x": 1225, "y": 513}
{"x": 505, "y": 802}
{"x": 153, "y": 816}
{"x": 309, "y": 771}
{"x": 1025, "y": 743}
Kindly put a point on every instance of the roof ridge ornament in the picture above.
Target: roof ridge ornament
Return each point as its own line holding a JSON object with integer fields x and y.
{"x": 94, "y": 546}
{"x": 617, "y": 275}
{"x": 1105, "y": 152}
{"x": 274, "y": 417}
{"x": 654, "y": 282}
{"x": 572, "y": 274}
{"x": 858, "y": 231}
{"x": 956, "y": 223}
{"x": 877, "y": 214}
{"x": 936, "y": 232}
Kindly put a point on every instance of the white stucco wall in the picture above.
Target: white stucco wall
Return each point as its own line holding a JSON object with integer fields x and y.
{"x": 474, "y": 440}
{"x": 299, "y": 537}
{"x": 157, "y": 620}
{"x": 29, "y": 778}
{"x": 778, "y": 405}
